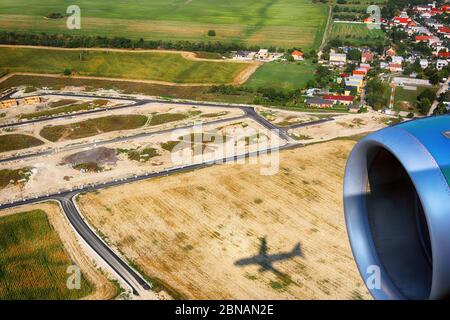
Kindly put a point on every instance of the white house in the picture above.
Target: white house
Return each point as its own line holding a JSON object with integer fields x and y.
{"x": 423, "y": 63}
{"x": 338, "y": 59}
{"x": 441, "y": 64}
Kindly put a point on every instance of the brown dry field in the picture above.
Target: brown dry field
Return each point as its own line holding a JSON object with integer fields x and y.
{"x": 102, "y": 287}
{"x": 189, "y": 229}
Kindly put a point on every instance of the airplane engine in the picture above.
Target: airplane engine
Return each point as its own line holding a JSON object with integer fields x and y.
{"x": 397, "y": 209}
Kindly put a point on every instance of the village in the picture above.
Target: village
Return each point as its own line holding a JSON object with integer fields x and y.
{"x": 415, "y": 63}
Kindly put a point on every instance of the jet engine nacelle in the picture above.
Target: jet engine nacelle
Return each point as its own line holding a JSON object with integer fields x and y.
{"x": 397, "y": 209}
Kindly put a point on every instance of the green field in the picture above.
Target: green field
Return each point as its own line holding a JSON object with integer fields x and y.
{"x": 405, "y": 100}
{"x": 10, "y": 142}
{"x": 92, "y": 127}
{"x": 129, "y": 65}
{"x": 282, "y": 75}
{"x": 356, "y": 34}
{"x": 33, "y": 262}
{"x": 285, "y": 23}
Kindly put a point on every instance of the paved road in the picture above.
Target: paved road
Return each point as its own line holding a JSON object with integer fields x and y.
{"x": 307, "y": 124}
{"x": 443, "y": 89}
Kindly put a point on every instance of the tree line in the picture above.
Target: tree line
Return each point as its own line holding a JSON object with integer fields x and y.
{"x": 83, "y": 41}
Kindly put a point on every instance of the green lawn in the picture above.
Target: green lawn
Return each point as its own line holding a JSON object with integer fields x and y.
{"x": 356, "y": 34}
{"x": 33, "y": 262}
{"x": 130, "y": 65}
{"x": 405, "y": 100}
{"x": 285, "y": 23}
{"x": 10, "y": 142}
{"x": 282, "y": 75}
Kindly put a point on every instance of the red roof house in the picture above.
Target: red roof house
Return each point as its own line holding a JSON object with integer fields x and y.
{"x": 297, "y": 55}
{"x": 444, "y": 30}
{"x": 367, "y": 57}
{"x": 444, "y": 54}
{"x": 340, "y": 99}
{"x": 423, "y": 38}
{"x": 402, "y": 21}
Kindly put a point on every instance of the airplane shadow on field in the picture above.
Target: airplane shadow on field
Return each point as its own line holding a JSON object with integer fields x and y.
{"x": 266, "y": 261}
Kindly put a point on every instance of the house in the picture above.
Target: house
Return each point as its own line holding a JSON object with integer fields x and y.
{"x": 297, "y": 55}
{"x": 424, "y": 63}
{"x": 395, "y": 67}
{"x": 422, "y": 39}
{"x": 367, "y": 57}
{"x": 345, "y": 100}
{"x": 397, "y": 59}
{"x": 402, "y": 81}
{"x": 391, "y": 52}
{"x": 244, "y": 55}
{"x": 360, "y": 72}
{"x": 354, "y": 82}
{"x": 4, "y": 104}
{"x": 433, "y": 23}
{"x": 441, "y": 64}
{"x": 444, "y": 55}
{"x": 262, "y": 54}
{"x": 365, "y": 66}
{"x": 338, "y": 59}
{"x": 384, "y": 65}
{"x": 445, "y": 31}
{"x": 319, "y": 103}
{"x": 402, "y": 21}
{"x": 353, "y": 108}
{"x": 32, "y": 100}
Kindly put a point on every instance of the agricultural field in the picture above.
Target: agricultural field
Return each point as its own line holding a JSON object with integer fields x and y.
{"x": 356, "y": 34}
{"x": 92, "y": 127}
{"x": 282, "y": 75}
{"x": 189, "y": 233}
{"x": 11, "y": 142}
{"x": 33, "y": 261}
{"x": 158, "y": 66}
{"x": 284, "y": 23}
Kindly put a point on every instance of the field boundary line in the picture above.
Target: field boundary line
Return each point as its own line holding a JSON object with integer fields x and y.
{"x": 164, "y": 83}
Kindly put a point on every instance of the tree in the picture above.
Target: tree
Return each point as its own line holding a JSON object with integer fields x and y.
{"x": 441, "y": 109}
{"x": 424, "y": 106}
{"x": 375, "y": 94}
{"x": 354, "y": 55}
{"x": 67, "y": 72}
{"x": 211, "y": 33}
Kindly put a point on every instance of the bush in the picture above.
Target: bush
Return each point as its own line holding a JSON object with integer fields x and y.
{"x": 211, "y": 33}
{"x": 67, "y": 72}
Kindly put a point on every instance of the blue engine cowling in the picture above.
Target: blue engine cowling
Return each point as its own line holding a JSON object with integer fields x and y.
{"x": 397, "y": 209}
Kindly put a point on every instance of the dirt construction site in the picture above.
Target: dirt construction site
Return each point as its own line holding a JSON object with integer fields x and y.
{"x": 91, "y": 148}
{"x": 190, "y": 230}
{"x": 226, "y": 231}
